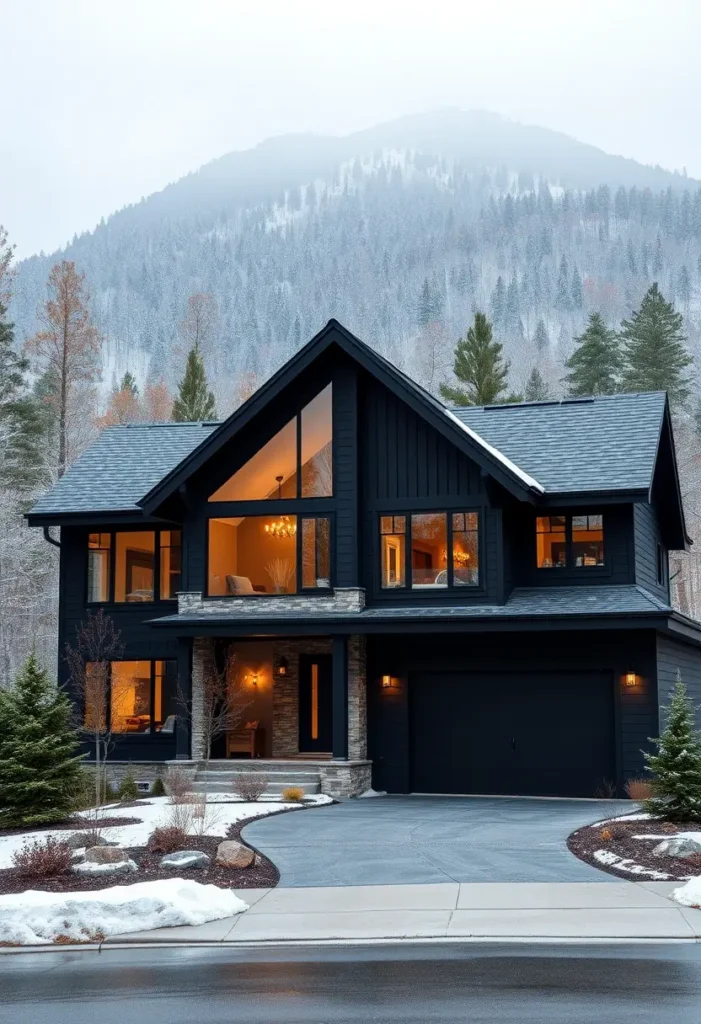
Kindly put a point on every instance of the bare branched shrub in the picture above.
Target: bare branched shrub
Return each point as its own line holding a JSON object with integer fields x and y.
{"x": 250, "y": 786}
{"x": 640, "y": 789}
{"x": 181, "y": 816}
{"x": 205, "y": 814}
{"x": 606, "y": 790}
{"x": 43, "y": 858}
{"x": 178, "y": 784}
{"x": 167, "y": 839}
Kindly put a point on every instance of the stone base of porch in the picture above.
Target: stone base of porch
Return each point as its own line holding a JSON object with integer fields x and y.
{"x": 339, "y": 779}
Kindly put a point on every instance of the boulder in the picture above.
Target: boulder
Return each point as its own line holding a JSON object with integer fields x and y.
{"x": 105, "y": 855}
{"x": 677, "y": 847}
{"x": 185, "y": 859}
{"x": 89, "y": 867}
{"x": 232, "y": 854}
{"x": 81, "y": 840}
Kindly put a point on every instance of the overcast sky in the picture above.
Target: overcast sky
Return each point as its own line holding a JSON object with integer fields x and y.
{"x": 104, "y": 102}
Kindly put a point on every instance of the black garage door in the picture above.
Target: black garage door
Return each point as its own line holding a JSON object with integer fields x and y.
{"x": 512, "y": 733}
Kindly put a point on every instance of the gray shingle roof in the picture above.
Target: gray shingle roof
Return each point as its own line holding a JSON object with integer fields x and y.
{"x": 597, "y": 444}
{"x": 120, "y": 467}
{"x": 524, "y": 602}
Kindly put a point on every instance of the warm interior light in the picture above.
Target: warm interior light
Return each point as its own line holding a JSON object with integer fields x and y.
{"x": 282, "y": 528}
{"x": 282, "y": 667}
{"x": 386, "y": 682}
{"x": 631, "y": 679}
{"x": 253, "y": 678}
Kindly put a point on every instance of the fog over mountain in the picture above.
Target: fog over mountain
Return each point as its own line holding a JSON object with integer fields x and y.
{"x": 400, "y": 231}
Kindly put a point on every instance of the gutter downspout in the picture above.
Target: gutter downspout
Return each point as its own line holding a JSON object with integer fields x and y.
{"x": 49, "y": 539}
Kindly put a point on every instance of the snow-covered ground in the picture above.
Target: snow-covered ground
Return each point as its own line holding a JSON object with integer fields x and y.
{"x": 689, "y": 895}
{"x": 37, "y": 918}
{"x": 153, "y": 812}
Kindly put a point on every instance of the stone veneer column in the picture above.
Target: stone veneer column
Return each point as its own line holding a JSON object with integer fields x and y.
{"x": 202, "y": 663}
{"x": 285, "y": 700}
{"x": 357, "y": 699}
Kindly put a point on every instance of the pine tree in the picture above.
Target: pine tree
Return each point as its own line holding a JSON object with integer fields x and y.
{"x": 596, "y": 364}
{"x": 541, "y": 339}
{"x": 536, "y": 389}
{"x": 194, "y": 402}
{"x": 676, "y": 766}
{"x": 478, "y": 364}
{"x": 129, "y": 384}
{"x": 21, "y": 422}
{"x": 656, "y": 358}
{"x": 40, "y": 771}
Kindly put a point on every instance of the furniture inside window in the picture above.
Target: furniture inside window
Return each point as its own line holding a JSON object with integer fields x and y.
{"x": 295, "y": 463}
{"x": 133, "y": 566}
{"x": 429, "y": 550}
{"x": 133, "y": 696}
{"x": 573, "y": 541}
{"x": 254, "y": 555}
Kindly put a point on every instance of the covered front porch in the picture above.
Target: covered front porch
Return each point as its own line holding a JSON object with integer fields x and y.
{"x": 298, "y": 711}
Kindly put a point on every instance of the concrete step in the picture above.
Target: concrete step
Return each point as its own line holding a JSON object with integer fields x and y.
{"x": 291, "y": 778}
{"x": 272, "y": 788}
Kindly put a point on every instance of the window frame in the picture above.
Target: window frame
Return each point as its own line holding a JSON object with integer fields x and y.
{"x": 300, "y": 516}
{"x": 662, "y": 565}
{"x": 130, "y": 737}
{"x": 466, "y": 589}
{"x": 569, "y": 567}
{"x": 157, "y": 599}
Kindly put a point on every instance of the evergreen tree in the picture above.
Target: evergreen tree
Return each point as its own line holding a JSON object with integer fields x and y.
{"x": 429, "y": 306}
{"x": 40, "y": 771}
{"x": 20, "y": 416}
{"x": 536, "y": 389}
{"x": 576, "y": 291}
{"x": 595, "y": 365}
{"x": 478, "y": 364}
{"x": 677, "y": 764}
{"x": 129, "y": 384}
{"x": 195, "y": 402}
{"x": 541, "y": 338}
{"x": 656, "y": 358}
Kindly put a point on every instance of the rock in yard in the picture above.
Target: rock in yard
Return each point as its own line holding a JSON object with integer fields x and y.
{"x": 232, "y": 854}
{"x": 89, "y": 867}
{"x": 185, "y": 859}
{"x": 677, "y": 848}
{"x": 80, "y": 840}
{"x": 105, "y": 855}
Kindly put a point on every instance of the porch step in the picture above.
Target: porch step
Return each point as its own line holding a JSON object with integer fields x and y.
{"x": 216, "y": 781}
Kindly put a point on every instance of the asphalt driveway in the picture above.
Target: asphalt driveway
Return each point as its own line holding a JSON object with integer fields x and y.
{"x": 418, "y": 840}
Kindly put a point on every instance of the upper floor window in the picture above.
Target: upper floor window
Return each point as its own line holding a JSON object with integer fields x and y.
{"x": 295, "y": 463}
{"x": 569, "y": 541}
{"x": 123, "y": 565}
{"x": 430, "y": 550}
{"x": 268, "y": 555}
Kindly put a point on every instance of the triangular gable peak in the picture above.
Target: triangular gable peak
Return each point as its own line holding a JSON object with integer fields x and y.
{"x": 306, "y": 375}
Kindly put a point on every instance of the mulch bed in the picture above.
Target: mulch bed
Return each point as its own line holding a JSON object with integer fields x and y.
{"x": 586, "y": 840}
{"x": 261, "y": 874}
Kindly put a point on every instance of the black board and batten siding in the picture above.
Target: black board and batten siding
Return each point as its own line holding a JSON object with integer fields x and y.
{"x": 406, "y": 466}
{"x": 675, "y": 658}
{"x": 651, "y": 570}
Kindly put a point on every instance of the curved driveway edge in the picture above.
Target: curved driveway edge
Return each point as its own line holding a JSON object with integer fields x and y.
{"x": 411, "y": 840}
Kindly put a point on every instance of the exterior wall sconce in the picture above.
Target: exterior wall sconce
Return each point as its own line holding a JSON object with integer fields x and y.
{"x": 390, "y": 683}
{"x": 281, "y": 667}
{"x": 630, "y": 680}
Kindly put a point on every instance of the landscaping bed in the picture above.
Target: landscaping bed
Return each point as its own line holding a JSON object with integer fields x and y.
{"x": 621, "y": 847}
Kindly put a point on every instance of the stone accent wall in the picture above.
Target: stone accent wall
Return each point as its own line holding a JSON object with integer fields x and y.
{"x": 342, "y": 599}
{"x": 286, "y": 691}
{"x": 143, "y": 771}
{"x": 357, "y": 699}
{"x": 202, "y": 662}
{"x": 345, "y": 778}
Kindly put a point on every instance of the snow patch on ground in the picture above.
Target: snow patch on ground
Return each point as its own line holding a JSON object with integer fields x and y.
{"x": 689, "y": 895}
{"x": 154, "y": 812}
{"x": 628, "y": 865}
{"x": 37, "y": 918}
{"x": 696, "y": 836}
{"x": 623, "y": 817}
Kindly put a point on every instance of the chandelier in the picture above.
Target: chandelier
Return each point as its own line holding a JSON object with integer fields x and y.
{"x": 283, "y": 528}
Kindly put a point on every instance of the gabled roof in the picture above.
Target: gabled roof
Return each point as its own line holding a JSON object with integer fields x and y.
{"x": 499, "y": 466}
{"x": 120, "y": 467}
{"x": 577, "y": 445}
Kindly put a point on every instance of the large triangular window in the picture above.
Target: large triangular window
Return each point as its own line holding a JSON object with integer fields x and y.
{"x": 295, "y": 463}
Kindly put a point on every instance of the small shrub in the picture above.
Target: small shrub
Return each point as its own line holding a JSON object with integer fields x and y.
{"x": 43, "y": 858}
{"x": 177, "y": 784}
{"x": 181, "y": 816}
{"x": 128, "y": 790}
{"x": 606, "y": 835}
{"x": 640, "y": 789}
{"x": 606, "y": 790}
{"x": 293, "y": 794}
{"x": 618, "y": 830}
{"x": 250, "y": 786}
{"x": 157, "y": 788}
{"x": 167, "y": 839}
{"x": 694, "y": 862}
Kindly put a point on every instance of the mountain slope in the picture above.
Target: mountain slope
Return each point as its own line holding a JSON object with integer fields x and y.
{"x": 400, "y": 231}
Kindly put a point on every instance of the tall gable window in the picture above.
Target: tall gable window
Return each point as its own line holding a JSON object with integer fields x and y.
{"x": 429, "y": 550}
{"x": 570, "y": 542}
{"x": 295, "y": 463}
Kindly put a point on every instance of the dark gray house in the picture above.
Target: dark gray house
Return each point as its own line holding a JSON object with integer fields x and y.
{"x": 444, "y": 601}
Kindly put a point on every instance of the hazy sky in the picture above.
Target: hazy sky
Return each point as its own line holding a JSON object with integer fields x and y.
{"x": 104, "y": 102}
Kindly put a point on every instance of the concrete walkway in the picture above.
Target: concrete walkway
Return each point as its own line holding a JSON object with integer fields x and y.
{"x": 424, "y": 840}
{"x": 634, "y": 911}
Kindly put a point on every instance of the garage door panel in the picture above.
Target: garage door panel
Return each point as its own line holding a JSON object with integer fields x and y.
{"x": 506, "y": 733}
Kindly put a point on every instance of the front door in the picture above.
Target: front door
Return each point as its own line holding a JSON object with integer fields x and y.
{"x": 315, "y": 704}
